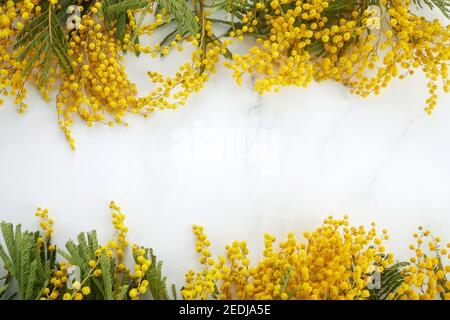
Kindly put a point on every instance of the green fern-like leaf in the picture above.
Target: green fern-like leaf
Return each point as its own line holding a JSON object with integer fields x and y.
{"x": 182, "y": 14}
{"x": 122, "y": 7}
{"x": 80, "y": 254}
{"x": 105, "y": 265}
{"x": 339, "y": 5}
{"x": 157, "y": 282}
{"x": 75, "y": 257}
{"x": 93, "y": 242}
{"x": 121, "y": 25}
{"x": 285, "y": 279}
{"x": 442, "y": 5}
{"x": 42, "y": 270}
{"x": 3, "y": 289}
{"x": 123, "y": 292}
{"x": 7, "y": 261}
{"x": 8, "y": 237}
{"x": 25, "y": 249}
{"x": 84, "y": 248}
{"x": 40, "y": 40}
{"x": 106, "y": 4}
{"x": 30, "y": 292}
{"x": 45, "y": 71}
{"x": 391, "y": 279}
{"x": 174, "y": 292}
{"x": 25, "y": 261}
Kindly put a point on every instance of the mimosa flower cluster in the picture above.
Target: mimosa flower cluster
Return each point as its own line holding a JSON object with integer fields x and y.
{"x": 336, "y": 261}
{"x": 78, "y": 47}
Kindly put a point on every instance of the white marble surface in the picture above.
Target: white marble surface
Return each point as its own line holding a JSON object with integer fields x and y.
{"x": 237, "y": 163}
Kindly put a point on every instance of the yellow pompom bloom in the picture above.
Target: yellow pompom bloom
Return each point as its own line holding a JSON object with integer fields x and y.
{"x": 86, "y": 291}
{"x": 97, "y": 272}
{"x": 133, "y": 293}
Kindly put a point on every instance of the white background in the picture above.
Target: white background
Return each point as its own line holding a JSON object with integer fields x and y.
{"x": 293, "y": 158}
